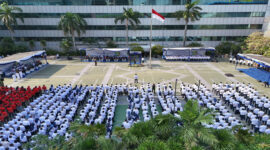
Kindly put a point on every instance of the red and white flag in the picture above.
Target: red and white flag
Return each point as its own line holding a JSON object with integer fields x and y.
{"x": 157, "y": 16}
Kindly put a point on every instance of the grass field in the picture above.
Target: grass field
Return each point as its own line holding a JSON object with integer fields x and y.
{"x": 85, "y": 73}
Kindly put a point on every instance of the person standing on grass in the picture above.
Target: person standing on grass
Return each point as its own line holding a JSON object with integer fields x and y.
{"x": 154, "y": 88}
{"x": 95, "y": 62}
{"x": 136, "y": 78}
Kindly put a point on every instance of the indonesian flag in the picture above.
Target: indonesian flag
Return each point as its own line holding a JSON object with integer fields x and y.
{"x": 157, "y": 16}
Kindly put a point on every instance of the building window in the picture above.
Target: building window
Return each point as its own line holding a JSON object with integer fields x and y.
{"x": 132, "y": 2}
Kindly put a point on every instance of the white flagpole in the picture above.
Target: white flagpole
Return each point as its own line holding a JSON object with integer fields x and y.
{"x": 150, "y": 59}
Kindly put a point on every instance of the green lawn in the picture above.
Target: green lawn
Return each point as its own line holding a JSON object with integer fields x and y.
{"x": 76, "y": 72}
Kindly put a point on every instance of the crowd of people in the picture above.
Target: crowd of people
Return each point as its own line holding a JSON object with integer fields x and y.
{"x": 49, "y": 114}
{"x": 223, "y": 118}
{"x": 50, "y": 111}
{"x": 187, "y": 58}
{"x": 144, "y": 99}
{"x": 241, "y": 61}
{"x": 12, "y": 98}
{"x": 19, "y": 71}
{"x": 107, "y": 96}
{"x": 106, "y": 58}
{"x": 246, "y": 101}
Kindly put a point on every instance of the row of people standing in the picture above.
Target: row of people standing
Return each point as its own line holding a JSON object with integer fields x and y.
{"x": 246, "y": 101}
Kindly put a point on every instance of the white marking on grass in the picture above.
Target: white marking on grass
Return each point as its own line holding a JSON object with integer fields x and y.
{"x": 76, "y": 78}
{"x": 221, "y": 72}
{"x": 112, "y": 81}
{"x": 95, "y": 83}
{"x": 80, "y": 82}
{"x": 197, "y": 76}
{"x": 108, "y": 74}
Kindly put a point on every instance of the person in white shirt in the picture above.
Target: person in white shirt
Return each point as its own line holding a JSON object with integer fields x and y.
{"x": 267, "y": 131}
{"x": 2, "y": 147}
{"x": 136, "y": 78}
{"x": 265, "y": 118}
{"x": 146, "y": 118}
{"x": 14, "y": 78}
{"x": 126, "y": 125}
{"x": 18, "y": 132}
{"x": 243, "y": 114}
{"x": 262, "y": 128}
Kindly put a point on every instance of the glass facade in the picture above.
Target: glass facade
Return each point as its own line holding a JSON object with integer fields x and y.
{"x": 130, "y": 2}
{"x": 138, "y": 39}
{"x": 146, "y": 15}
{"x": 145, "y": 27}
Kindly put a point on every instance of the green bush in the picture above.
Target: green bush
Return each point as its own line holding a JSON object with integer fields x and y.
{"x": 136, "y": 47}
{"x": 111, "y": 44}
{"x": 21, "y": 48}
{"x": 195, "y": 44}
{"x": 8, "y": 47}
{"x": 257, "y": 43}
{"x": 267, "y": 53}
{"x": 43, "y": 43}
{"x": 228, "y": 47}
{"x": 157, "y": 50}
{"x": 51, "y": 52}
{"x": 77, "y": 53}
{"x": 66, "y": 45}
{"x": 32, "y": 44}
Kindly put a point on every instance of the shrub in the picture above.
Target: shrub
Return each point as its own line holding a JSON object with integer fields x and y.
{"x": 32, "y": 44}
{"x": 256, "y": 43}
{"x": 43, "y": 43}
{"x": 51, "y": 52}
{"x": 66, "y": 45}
{"x": 157, "y": 50}
{"x": 228, "y": 48}
{"x": 195, "y": 44}
{"x": 111, "y": 44}
{"x": 21, "y": 48}
{"x": 267, "y": 53}
{"x": 136, "y": 47}
{"x": 7, "y": 46}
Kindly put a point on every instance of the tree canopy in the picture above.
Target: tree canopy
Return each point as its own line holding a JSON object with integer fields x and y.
{"x": 256, "y": 43}
{"x": 229, "y": 48}
{"x": 190, "y": 14}
{"x": 72, "y": 23}
{"x": 9, "y": 15}
{"x": 157, "y": 50}
{"x": 131, "y": 18}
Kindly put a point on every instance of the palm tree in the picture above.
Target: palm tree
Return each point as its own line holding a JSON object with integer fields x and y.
{"x": 190, "y": 14}
{"x": 43, "y": 43}
{"x": 72, "y": 23}
{"x": 129, "y": 16}
{"x": 110, "y": 144}
{"x": 8, "y": 16}
{"x": 193, "y": 133}
{"x": 226, "y": 140}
